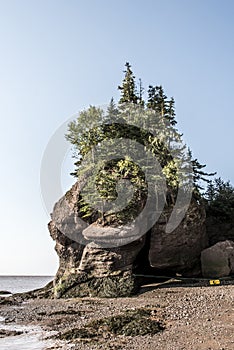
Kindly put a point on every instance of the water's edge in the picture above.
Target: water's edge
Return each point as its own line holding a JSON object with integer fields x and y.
{"x": 23, "y": 284}
{"x": 32, "y": 337}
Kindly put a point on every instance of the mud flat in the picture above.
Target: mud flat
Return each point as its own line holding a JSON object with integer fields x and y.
{"x": 160, "y": 317}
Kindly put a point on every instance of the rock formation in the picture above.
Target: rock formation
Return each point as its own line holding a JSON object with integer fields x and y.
{"x": 88, "y": 268}
{"x": 218, "y": 260}
{"x": 180, "y": 250}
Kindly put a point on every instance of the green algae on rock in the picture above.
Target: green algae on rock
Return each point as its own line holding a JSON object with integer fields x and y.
{"x": 136, "y": 322}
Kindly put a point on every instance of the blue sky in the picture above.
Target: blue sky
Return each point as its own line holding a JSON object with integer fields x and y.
{"x": 57, "y": 57}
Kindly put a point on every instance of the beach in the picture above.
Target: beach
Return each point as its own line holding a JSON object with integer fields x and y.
{"x": 188, "y": 317}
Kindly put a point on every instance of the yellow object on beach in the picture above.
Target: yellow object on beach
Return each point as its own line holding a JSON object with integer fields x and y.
{"x": 214, "y": 282}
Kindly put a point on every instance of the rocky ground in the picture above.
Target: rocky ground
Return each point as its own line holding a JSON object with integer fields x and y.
{"x": 164, "y": 317}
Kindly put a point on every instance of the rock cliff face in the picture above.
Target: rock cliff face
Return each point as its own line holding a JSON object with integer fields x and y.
{"x": 180, "y": 250}
{"x": 85, "y": 267}
{"x": 93, "y": 271}
{"x": 88, "y": 268}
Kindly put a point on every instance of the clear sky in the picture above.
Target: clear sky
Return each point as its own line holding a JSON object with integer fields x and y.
{"x": 57, "y": 57}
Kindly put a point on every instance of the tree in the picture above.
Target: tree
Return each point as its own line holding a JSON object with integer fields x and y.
{"x": 199, "y": 175}
{"x": 158, "y": 101}
{"x": 128, "y": 87}
{"x": 95, "y": 127}
{"x": 141, "y": 101}
{"x": 170, "y": 114}
{"x": 84, "y": 133}
{"x": 112, "y": 110}
{"x": 219, "y": 197}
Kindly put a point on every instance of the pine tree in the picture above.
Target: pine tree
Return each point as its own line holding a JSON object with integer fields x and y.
{"x": 198, "y": 174}
{"x": 94, "y": 126}
{"x": 171, "y": 138}
{"x": 141, "y": 101}
{"x": 152, "y": 103}
{"x": 170, "y": 115}
{"x": 219, "y": 197}
{"x": 112, "y": 110}
{"x": 158, "y": 101}
{"x": 128, "y": 88}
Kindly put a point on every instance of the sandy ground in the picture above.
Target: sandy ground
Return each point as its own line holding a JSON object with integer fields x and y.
{"x": 196, "y": 318}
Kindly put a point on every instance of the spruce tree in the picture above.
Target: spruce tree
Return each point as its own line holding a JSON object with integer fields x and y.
{"x": 158, "y": 101}
{"x": 112, "y": 110}
{"x": 128, "y": 87}
{"x": 152, "y": 103}
{"x": 199, "y": 175}
{"x": 171, "y": 138}
{"x": 170, "y": 114}
{"x": 141, "y": 101}
{"x": 94, "y": 126}
{"x": 219, "y": 197}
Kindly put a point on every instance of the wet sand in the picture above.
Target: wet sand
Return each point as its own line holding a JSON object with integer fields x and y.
{"x": 200, "y": 318}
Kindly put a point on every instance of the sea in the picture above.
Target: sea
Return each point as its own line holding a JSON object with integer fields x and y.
{"x": 20, "y": 284}
{"x": 32, "y": 337}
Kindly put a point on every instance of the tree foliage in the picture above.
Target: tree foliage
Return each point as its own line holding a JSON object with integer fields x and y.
{"x": 128, "y": 87}
{"x": 199, "y": 175}
{"x": 95, "y": 127}
{"x": 219, "y": 197}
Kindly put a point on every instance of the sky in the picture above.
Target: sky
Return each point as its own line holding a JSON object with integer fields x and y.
{"x": 58, "y": 57}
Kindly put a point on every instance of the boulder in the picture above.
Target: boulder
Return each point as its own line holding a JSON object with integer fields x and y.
{"x": 218, "y": 260}
{"x": 179, "y": 251}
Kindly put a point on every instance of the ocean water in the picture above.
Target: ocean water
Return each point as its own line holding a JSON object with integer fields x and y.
{"x": 32, "y": 337}
{"x": 20, "y": 284}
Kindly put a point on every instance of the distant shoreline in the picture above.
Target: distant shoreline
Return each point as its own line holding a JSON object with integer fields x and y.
{"x": 21, "y": 284}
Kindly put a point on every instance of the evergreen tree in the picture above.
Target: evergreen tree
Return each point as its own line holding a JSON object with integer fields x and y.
{"x": 94, "y": 126}
{"x": 158, "y": 101}
{"x": 128, "y": 87}
{"x": 151, "y": 103}
{"x": 161, "y": 101}
{"x": 141, "y": 101}
{"x": 172, "y": 139}
{"x": 198, "y": 174}
{"x": 112, "y": 110}
{"x": 219, "y": 197}
{"x": 170, "y": 115}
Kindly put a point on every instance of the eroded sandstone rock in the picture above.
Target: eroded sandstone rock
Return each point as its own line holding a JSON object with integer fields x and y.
{"x": 100, "y": 260}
